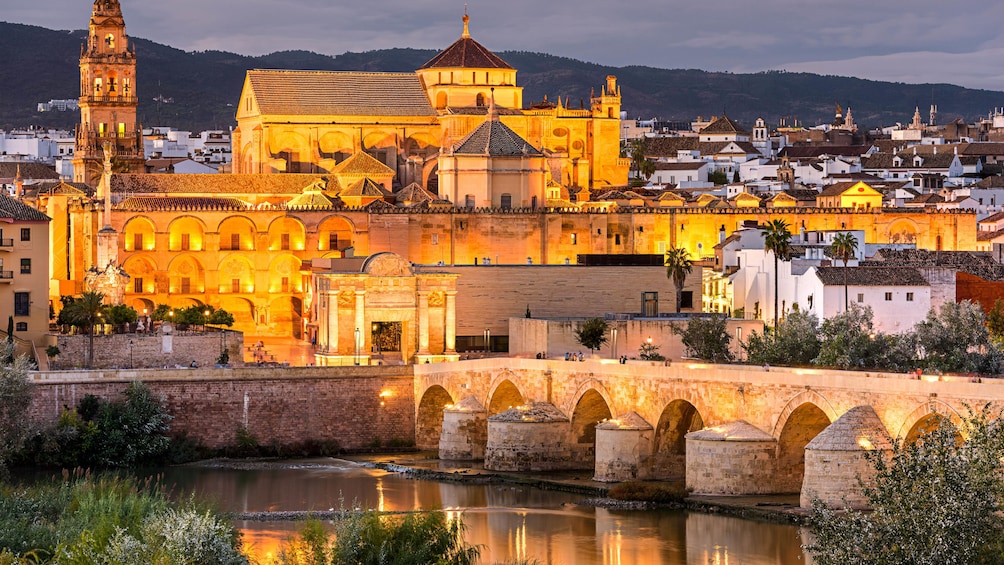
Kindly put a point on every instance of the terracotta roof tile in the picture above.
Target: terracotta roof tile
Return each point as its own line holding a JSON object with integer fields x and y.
{"x": 467, "y": 54}
{"x": 723, "y": 125}
{"x": 29, "y": 171}
{"x": 872, "y": 276}
{"x": 17, "y": 211}
{"x": 151, "y": 204}
{"x": 218, "y": 184}
{"x": 362, "y": 163}
{"x": 495, "y": 138}
{"x": 329, "y": 93}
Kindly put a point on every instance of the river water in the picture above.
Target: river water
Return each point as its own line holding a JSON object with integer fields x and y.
{"x": 509, "y": 521}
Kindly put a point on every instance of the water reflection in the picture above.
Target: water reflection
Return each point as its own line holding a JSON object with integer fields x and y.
{"x": 510, "y": 522}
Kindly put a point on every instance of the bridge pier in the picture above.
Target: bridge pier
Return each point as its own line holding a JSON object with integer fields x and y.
{"x": 623, "y": 449}
{"x": 734, "y": 458}
{"x": 465, "y": 431}
{"x": 835, "y": 459}
{"x": 532, "y": 437}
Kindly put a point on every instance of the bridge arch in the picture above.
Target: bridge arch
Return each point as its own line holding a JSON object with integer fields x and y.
{"x": 504, "y": 395}
{"x": 591, "y": 408}
{"x": 927, "y": 418}
{"x": 429, "y": 420}
{"x": 807, "y": 396}
{"x": 669, "y": 451}
{"x": 802, "y": 424}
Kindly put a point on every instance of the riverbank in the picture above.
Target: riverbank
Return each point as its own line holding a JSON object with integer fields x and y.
{"x": 781, "y": 509}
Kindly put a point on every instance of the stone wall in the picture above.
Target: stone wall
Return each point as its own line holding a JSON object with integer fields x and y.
{"x": 354, "y": 406}
{"x": 731, "y": 467}
{"x": 148, "y": 350}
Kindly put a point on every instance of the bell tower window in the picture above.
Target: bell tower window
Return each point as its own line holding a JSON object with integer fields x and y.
{"x": 97, "y": 85}
{"x": 111, "y": 84}
{"x": 110, "y": 41}
{"x": 126, "y": 87}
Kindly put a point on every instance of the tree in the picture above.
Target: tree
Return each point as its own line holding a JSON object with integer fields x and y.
{"x": 85, "y": 312}
{"x": 718, "y": 177}
{"x": 221, "y": 318}
{"x": 849, "y": 340}
{"x": 15, "y": 401}
{"x": 794, "y": 342}
{"x": 649, "y": 351}
{"x": 678, "y": 266}
{"x": 592, "y": 334}
{"x": 844, "y": 247}
{"x": 777, "y": 240}
{"x": 932, "y": 502}
{"x": 995, "y": 323}
{"x": 707, "y": 338}
{"x": 956, "y": 338}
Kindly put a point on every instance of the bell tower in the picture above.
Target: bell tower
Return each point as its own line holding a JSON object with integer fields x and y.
{"x": 107, "y": 98}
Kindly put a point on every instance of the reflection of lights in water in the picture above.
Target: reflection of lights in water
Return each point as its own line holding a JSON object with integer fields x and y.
{"x": 719, "y": 556}
{"x": 380, "y": 499}
{"x": 613, "y": 542}
{"x": 517, "y": 539}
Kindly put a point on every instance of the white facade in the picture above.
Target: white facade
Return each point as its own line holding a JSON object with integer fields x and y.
{"x": 209, "y": 147}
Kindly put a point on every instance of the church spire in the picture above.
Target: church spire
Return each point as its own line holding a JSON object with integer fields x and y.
{"x": 467, "y": 20}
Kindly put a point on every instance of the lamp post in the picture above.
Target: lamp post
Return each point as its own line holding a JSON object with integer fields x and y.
{"x": 130, "y": 355}
{"x": 613, "y": 343}
{"x": 205, "y": 319}
{"x": 357, "y": 333}
{"x": 488, "y": 340}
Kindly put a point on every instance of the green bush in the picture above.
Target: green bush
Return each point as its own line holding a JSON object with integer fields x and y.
{"x": 648, "y": 492}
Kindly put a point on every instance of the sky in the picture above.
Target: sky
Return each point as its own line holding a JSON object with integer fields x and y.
{"x": 958, "y": 41}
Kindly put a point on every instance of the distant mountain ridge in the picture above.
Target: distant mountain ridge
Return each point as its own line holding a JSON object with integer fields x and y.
{"x": 41, "y": 64}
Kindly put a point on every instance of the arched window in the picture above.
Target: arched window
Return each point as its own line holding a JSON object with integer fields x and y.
{"x": 110, "y": 41}
{"x": 481, "y": 99}
{"x": 441, "y": 100}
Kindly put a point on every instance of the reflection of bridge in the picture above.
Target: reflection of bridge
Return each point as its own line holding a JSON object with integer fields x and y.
{"x": 790, "y": 407}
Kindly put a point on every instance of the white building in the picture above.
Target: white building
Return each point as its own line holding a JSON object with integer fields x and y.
{"x": 208, "y": 147}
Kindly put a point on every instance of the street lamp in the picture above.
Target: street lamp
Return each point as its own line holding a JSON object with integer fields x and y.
{"x": 488, "y": 340}
{"x": 130, "y": 355}
{"x": 357, "y": 345}
{"x": 205, "y": 319}
{"x": 613, "y": 343}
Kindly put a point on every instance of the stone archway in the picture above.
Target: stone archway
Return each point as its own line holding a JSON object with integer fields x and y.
{"x": 927, "y": 418}
{"x": 591, "y": 409}
{"x": 678, "y": 418}
{"x": 504, "y": 397}
{"x": 429, "y": 421}
{"x": 803, "y": 424}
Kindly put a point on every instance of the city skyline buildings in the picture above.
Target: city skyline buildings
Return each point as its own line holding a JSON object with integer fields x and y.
{"x": 880, "y": 42}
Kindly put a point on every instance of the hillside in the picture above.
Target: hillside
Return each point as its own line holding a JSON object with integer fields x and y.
{"x": 41, "y": 64}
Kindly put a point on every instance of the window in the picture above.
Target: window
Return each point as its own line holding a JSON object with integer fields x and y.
{"x": 861, "y": 297}
{"x": 137, "y": 241}
{"x": 21, "y": 326}
{"x": 21, "y": 302}
{"x": 235, "y": 241}
{"x": 137, "y": 285}
{"x": 333, "y": 240}
{"x": 186, "y": 241}
{"x": 506, "y": 201}
{"x": 284, "y": 241}
{"x": 909, "y": 297}
{"x": 25, "y": 266}
{"x": 186, "y": 285}
{"x": 235, "y": 285}
{"x": 617, "y": 239}
{"x": 687, "y": 299}
{"x": 660, "y": 248}
{"x": 888, "y": 296}
{"x": 575, "y": 239}
{"x": 435, "y": 239}
{"x": 285, "y": 284}
{"x": 25, "y": 234}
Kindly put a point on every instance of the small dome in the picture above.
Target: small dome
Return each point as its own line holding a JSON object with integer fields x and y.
{"x": 536, "y": 412}
{"x": 740, "y": 430}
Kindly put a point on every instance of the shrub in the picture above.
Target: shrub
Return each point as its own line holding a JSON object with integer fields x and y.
{"x": 648, "y": 492}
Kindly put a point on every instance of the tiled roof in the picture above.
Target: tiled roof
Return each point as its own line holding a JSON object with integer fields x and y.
{"x": 886, "y": 161}
{"x": 871, "y": 276}
{"x": 11, "y": 209}
{"x": 364, "y": 187}
{"x": 313, "y": 200}
{"x": 468, "y": 54}
{"x": 976, "y": 264}
{"x": 991, "y": 182}
{"x": 837, "y": 188}
{"x": 803, "y": 151}
{"x": 723, "y": 125}
{"x": 154, "y": 203}
{"x": 802, "y": 194}
{"x": 218, "y": 184}
{"x": 494, "y": 138}
{"x": 929, "y": 198}
{"x": 684, "y": 166}
{"x": 984, "y": 235}
{"x": 328, "y": 93}
{"x": 414, "y": 193}
{"x": 29, "y": 171}
{"x": 993, "y": 218}
{"x": 982, "y": 148}
{"x": 669, "y": 146}
{"x": 362, "y": 163}
{"x": 481, "y": 111}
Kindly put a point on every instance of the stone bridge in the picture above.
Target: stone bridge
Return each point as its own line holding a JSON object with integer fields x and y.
{"x": 638, "y": 420}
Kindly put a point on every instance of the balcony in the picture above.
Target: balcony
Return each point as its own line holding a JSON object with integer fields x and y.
{"x": 6, "y": 243}
{"x": 6, "y": 276}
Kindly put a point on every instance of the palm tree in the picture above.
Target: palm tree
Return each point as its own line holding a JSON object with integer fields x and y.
{"x": 678, "y": 266}
{"x": 777, "y": 240}
{"x": 85, "y": 312}
{"x": 844, "y": 247}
